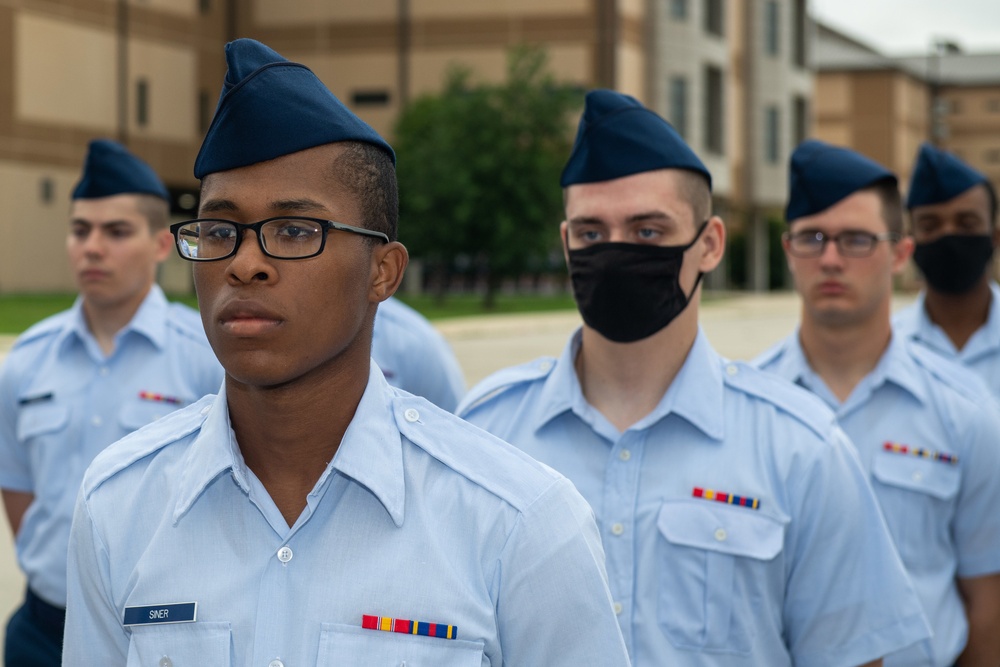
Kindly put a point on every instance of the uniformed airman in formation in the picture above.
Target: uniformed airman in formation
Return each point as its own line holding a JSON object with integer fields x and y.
{"x": 658, "y": 504}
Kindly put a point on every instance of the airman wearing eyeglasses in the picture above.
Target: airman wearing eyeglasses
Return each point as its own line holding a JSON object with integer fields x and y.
{"x": 917, "y": 420}
{"x": 310, "y": 514}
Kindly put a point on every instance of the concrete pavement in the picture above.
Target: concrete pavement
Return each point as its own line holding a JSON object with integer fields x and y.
{"x": 740, "y": 326}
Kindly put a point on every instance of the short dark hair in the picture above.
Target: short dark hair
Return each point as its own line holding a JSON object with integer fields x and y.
{"x": 991, "y": 194}
{"x": 888, "y": 195}
{"x": 155, "y": 209}
{"x": 368, "y": 172}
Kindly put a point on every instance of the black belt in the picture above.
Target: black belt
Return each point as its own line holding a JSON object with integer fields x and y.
{"x": 49, "y": 616}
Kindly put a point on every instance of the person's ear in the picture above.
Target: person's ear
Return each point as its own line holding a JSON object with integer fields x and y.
{"x": 901, "y": 252}
{"x": 389, "y": 262}
{"x": 563, "y": 235}
{"x": 713, "y": 244}
{"x": 164, "y": 241}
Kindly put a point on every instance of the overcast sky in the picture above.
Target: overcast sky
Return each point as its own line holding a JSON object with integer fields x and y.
{"x": 908, "y": 27}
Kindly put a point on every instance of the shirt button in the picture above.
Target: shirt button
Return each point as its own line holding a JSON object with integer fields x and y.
{"x": 166, "y": 662}
{"x": 918, "y": 477}
{"x": 95, "y": 420}
{"x": 205, "y": 410}
{"x": 732, "y": 370}
{"x": 275, "y": 663}
{"x": 625, "y": 455}
{"x": 411, "y": 415}
{"x": 284, "y": 554}
{"x": 618, "y": 608}
{"x": 720, "y": 534}
{"x": 617, "y": 529}
{"x": 545, "y": 366}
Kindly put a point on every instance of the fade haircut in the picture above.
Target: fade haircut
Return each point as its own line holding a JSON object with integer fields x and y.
{"x": 367, "y": 171}
{"x": 892, "y": 204}
{"x": 155, "y": 210}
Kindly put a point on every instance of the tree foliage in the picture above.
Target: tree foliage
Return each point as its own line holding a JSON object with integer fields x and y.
{"x": 478, "y": 168}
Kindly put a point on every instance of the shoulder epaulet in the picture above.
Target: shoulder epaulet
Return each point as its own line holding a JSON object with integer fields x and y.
{"x": 503, "y": 380}
{"x": 491, "y": 463}
{"x": 47, "y": 327}
{"x": 147, "y": 440}
{"x": 784, "y": 395}
{"x": 949, "y": 372}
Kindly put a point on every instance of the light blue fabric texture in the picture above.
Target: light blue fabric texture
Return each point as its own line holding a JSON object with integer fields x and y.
{"x": 419, "y": 516}
{"x": 62, "y": 401}
{"x": 414, "y": 356}
{"x": 809, "y": 578}
{"x": 943, "y": 516}
{"x": 981, "y": 353}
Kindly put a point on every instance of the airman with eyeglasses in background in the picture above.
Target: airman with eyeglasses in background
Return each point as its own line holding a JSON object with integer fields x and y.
{"x": 922, "y": 424}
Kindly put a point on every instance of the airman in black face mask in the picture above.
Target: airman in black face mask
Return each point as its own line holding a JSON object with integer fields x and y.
{"x": 953, "y": 218}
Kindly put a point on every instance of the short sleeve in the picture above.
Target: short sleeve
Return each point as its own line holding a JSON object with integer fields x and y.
{"x": 15, "y": 469}
{"x": 94, "y": 634}
{"x": 551, "y": 583}
{"x": 849, "y": 600}
{"x": 976, "y": 526}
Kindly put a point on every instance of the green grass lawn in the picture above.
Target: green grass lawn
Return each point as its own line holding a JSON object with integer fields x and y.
{"x": 20, "y": 311}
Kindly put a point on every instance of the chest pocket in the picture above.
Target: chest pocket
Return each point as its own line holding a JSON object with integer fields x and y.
{"x": 136, "y": 413}
{"x": 39, "y": 419}
{"x": 358, "y": 647}
{"x": 917, "y": 497}
{"x": 712, "y": 564}
{"x": 180, "y": 645}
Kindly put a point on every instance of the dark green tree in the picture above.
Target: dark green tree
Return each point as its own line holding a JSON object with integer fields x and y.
{"x": 478, "y": 168}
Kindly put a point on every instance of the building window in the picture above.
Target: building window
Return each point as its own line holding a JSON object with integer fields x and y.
{"x": 678, "y": 105}
{"x": 772, "y": 135}
{"x": 204, "y": 110}
{"x": 370, "y": 98}
{"x": 142, "y": 103}
{"x": 772, "y": 28}
{"x": 47, "y": 190}
{"x": 714, "y": 17}
{"x": 800, "y": 109}
{"x": 800, "y": 23}
{"x": 954, "y": 107}
{"x": 678, "y": 9}
{"x": 713, "y": 110}
{"x": 205, "y": 6}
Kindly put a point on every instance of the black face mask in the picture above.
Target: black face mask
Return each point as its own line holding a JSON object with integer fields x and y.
{"x": 954, "y": 263}
{"x": 629, "y": 291}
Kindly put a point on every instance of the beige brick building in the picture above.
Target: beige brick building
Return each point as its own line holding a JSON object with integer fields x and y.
{"x": 732, "y": 74}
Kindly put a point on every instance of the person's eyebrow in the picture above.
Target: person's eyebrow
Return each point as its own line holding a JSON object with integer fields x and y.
{"x": 218, "y": 206}
{"x": 303, "y": 205}
{"x": 646, "y": 216}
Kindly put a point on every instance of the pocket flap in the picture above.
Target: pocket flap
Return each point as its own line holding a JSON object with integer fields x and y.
{"x": 914, "y": 473}
{"x": 359, "y": 647}
{"x": 33, "y": 420}
{"x": 736, "y": 531}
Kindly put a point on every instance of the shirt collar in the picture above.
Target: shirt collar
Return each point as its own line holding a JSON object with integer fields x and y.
{"x": 150, "y": 320}
{"x": 895, "y": 365}
{"x": 695, "y": 394}
{"x": 928, "y": 332}
{"x": 370, "y": 453}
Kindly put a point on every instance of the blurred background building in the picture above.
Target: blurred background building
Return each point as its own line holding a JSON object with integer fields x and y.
{"x": 743, "y": 80}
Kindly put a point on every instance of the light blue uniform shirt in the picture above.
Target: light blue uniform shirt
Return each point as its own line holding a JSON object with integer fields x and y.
{"x": 981, "y": 352}
{"x": 414, "y": 356}
{"x": 420, "y": 516}
{"x": 62, "y": 401}
{"x": 808, "y": 578}
{"x": 943, "y": 516}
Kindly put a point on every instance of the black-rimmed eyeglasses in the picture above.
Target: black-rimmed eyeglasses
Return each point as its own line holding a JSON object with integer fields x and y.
{"x": 854, "y": 243}
{"x": 289, "y": 237}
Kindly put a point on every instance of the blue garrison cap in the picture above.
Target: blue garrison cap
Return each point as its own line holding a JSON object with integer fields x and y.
{"x": 271, "y": 107}
{"x": 620, "y": 137}
{"x": 820, "y": 175}
{"x": 939, "y": 176}
{"x": 109, "y": 169}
